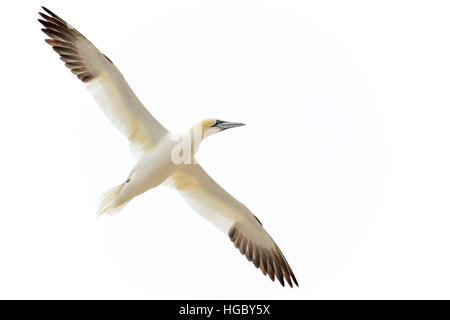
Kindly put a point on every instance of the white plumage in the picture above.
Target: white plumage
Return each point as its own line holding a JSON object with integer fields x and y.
{"x": 158, "y": 152}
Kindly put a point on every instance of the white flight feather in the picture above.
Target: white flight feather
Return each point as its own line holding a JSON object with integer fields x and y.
{"x": 128, "y": 114}
{"x": 216, "y": 205}
{"x": 118, "y": 101}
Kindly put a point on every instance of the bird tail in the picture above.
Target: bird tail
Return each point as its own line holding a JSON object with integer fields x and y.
{"x": 109, "y": 203}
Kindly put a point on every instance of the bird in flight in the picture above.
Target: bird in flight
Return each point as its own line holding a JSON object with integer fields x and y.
{"x": 162, "y": 156}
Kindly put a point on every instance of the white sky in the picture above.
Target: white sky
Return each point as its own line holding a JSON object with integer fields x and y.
{"x": 344, "y": 159}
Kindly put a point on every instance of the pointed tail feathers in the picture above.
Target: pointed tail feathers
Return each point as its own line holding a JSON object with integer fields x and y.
{"x": 108, "y": 201}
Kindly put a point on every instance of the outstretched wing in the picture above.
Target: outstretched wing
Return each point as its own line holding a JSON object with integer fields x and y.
{"x": 105, "y": 82}
{"x": 211, "y": 201}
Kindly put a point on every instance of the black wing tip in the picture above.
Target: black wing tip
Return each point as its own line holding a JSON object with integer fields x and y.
{"x": 289, "y": 282}
{"x": 295, "y": 280}
{"x": 290, "y": 277}
{"x": 49, "y": 12}
{"x": 265, "y": 260}
{"x": 52, "y": 15}
{"x": 62, "y": 41}
{"x": 45, "y": 23}
{"x": 281, "y": 281}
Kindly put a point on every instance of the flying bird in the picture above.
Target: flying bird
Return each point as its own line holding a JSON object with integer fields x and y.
{"x": 163, "y": 157}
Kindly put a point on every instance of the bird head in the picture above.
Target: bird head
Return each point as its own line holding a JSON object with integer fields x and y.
{"x": 212, "y": 126}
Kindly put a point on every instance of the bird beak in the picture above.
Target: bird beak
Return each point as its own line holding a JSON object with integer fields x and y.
{"x": 228, "y": 125}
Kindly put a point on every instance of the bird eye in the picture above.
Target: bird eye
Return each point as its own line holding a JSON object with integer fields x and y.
{"x": 217, "y": 122}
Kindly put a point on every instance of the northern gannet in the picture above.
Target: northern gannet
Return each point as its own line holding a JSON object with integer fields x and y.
{"x": 162, "y": 156}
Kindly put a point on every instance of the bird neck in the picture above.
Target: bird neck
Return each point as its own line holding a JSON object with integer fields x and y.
{"x": 194, "y": 137}
{"x": 197, "y": 133}
{"x": 186, "y": 145}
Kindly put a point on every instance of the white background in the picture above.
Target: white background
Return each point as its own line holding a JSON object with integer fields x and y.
{"x": 345, "y": 156}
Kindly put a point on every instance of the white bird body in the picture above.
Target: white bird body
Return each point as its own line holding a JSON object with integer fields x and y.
{"x": 162, "y": 156}
{"x": 150, "y": 170}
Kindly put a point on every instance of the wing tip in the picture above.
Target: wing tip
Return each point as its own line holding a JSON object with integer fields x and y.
{"x": 62, "y": 39}
{"x": 50, "y": 12}
{"x": 270, "y": 262}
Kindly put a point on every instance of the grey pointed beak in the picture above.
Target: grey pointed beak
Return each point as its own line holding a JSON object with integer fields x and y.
{"x": 227, "y": 125}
